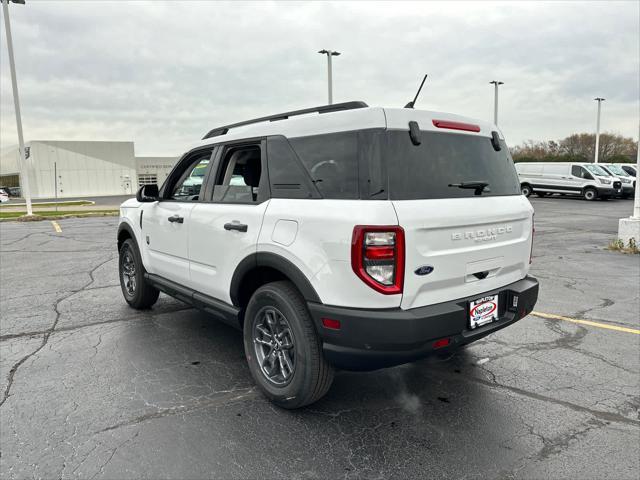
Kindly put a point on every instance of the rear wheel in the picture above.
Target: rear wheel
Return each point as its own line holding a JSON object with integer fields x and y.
{"x": 590, "y": 194}
{"x": 282, "y": 347}
{"x": 541, "y": 194}
{"x": 526, "y": 190}
{"x": 136, "y": 289}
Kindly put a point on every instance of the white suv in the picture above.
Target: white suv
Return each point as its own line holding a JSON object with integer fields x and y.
{"x": 341, "y": 236}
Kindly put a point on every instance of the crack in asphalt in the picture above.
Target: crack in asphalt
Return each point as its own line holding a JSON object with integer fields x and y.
{"x": 140, "y": 315}
{"x": 221, "y": 398}
{"x": 599, "y": 414}
{"x": 113, "y": 452}
{"x": 47, "y": 333}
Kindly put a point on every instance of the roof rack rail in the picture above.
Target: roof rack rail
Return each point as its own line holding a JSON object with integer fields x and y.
{"x": 283, "y": 116}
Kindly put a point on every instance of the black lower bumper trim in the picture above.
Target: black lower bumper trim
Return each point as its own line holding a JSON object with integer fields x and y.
{"x": 372, "y": 339}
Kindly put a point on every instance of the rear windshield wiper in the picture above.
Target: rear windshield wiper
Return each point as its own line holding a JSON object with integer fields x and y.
{"x": 477, "y": 186}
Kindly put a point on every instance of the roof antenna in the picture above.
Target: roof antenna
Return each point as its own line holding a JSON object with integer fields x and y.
{"x": 412, "y": 103}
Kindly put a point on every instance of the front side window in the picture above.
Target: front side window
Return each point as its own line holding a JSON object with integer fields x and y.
{"x": 188, "y": 187}
{"x": 239, "y": 178}
{"x": 580, "y": 172}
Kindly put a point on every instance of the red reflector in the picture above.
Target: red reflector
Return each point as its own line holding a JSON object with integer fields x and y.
{"x": 443, "y": 342}
{"x": 467, "y": 127}
{"x": 331, "y": 323}
{"x": 379, "y": 253}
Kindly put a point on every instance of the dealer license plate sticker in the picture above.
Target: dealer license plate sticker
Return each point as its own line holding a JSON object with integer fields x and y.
{"x": 483, "y": 310}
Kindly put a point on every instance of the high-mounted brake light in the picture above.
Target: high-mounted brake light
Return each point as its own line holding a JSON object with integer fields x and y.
{"x": 377, "y": 257}
{"x": 467, "y": 127}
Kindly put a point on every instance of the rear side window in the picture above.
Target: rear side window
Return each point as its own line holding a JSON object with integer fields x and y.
{"x": 331, "y": 161}
{"x": 288, "y": 177}
{"x": 426, "y": 171}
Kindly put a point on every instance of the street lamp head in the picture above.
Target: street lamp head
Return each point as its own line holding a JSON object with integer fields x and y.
{"x": 496, "y": 82}
{"x": 323, "y": 51}
{"x": 599, "y": 99}
{"x": 335, "y": 54}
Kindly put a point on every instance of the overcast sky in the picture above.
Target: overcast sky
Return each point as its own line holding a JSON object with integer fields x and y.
{"x": 163, "y": 74}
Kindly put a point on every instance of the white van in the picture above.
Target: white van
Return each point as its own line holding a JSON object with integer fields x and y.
{"x": 567, "y": 178}
{"x": 628, "y": 181}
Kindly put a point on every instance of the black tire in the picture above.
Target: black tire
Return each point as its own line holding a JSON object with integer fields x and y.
{"x": 590, "y": 194}
{"x": 137, "y": 292}
{"x": 541, "y": 194}
{"x": 526, "y": 189}
{"x": 312, "y": 375}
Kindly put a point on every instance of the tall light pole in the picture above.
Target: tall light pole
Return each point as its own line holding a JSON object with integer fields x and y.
{"x": 599, "y": 100}
{"x": 495, "y": 99}
{"x": 329, "y": 54}
{"x": 24, "y": 174}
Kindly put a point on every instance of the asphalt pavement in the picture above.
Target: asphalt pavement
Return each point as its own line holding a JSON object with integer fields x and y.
{"x": 90, "y": 388}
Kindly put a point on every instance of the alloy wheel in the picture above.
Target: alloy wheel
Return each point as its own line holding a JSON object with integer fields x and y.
{"x": 129, "y": 272}
{"x": 273, "y": 344}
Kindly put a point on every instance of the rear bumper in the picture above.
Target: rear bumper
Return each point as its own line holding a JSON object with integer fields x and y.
{"x": 372, "y": 339}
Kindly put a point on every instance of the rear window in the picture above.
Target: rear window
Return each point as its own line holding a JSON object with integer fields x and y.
{"x": 425, "y": 171}
{"x": 377, "y": 164}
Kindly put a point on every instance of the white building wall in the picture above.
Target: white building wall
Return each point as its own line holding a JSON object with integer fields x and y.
{"x": 82, "y": 168}
{"x": 158, "y": 166}
{"x": 9, "y": 161}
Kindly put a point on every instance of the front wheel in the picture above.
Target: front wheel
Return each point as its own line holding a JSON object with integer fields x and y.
{"x": 526, "y": 190}
{"x": 590, "y": 194}
{"x": 282, "y": 347}
{"x": 136, "y": 289}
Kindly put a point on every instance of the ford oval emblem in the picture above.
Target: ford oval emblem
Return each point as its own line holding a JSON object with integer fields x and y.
{"x": 424, "y": 270}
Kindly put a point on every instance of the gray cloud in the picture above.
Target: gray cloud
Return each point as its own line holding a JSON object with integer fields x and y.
{"x": 163, "y": 73}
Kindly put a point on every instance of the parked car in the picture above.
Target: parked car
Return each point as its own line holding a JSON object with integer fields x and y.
{"x": 14, "y": 191}
{"x": 628, "y": 181}
{"x": 4, "y": 196}
{"x": 630, "y": 169}
{"x": 340, "y": 236}
{"x": 567, "y": 178}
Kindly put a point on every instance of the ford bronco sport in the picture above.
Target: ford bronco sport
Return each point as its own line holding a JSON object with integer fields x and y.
{"x": 341, "y": 236}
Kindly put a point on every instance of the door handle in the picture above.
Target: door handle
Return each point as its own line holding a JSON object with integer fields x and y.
{"x": 240, "y": 227}
{"x": 176, "y": 219}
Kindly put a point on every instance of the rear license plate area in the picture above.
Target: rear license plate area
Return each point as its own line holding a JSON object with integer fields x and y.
{"x": 483, "y": 311}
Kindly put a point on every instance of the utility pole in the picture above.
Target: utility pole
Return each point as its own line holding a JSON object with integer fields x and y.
{"x": 24, "y": 173}
{"x": 329, "y": 54}
{"x": 599, "y": 100}
{"x": 495, "y": 99}
{"x": 629, "y": 228}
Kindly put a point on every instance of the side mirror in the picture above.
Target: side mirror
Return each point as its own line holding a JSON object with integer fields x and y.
{"x": 148, "y": 193}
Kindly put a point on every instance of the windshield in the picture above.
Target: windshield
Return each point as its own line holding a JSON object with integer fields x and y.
{"x": 616, "y": 170}
{"x": 597, "y": 170}
{"x": 448, "y": 165}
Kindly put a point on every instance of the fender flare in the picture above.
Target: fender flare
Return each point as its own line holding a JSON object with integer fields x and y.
{"x": 124, "y": 226}
{"x": 277, "y": 262}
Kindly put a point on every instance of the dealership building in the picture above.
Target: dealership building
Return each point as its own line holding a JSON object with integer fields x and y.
{"x": 78, "y": 168}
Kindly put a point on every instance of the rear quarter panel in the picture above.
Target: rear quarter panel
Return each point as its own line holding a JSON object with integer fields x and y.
{"x": 321, "y": 245}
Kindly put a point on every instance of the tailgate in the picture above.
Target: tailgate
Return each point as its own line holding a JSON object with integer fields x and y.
{"x": 472, "y": 245}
